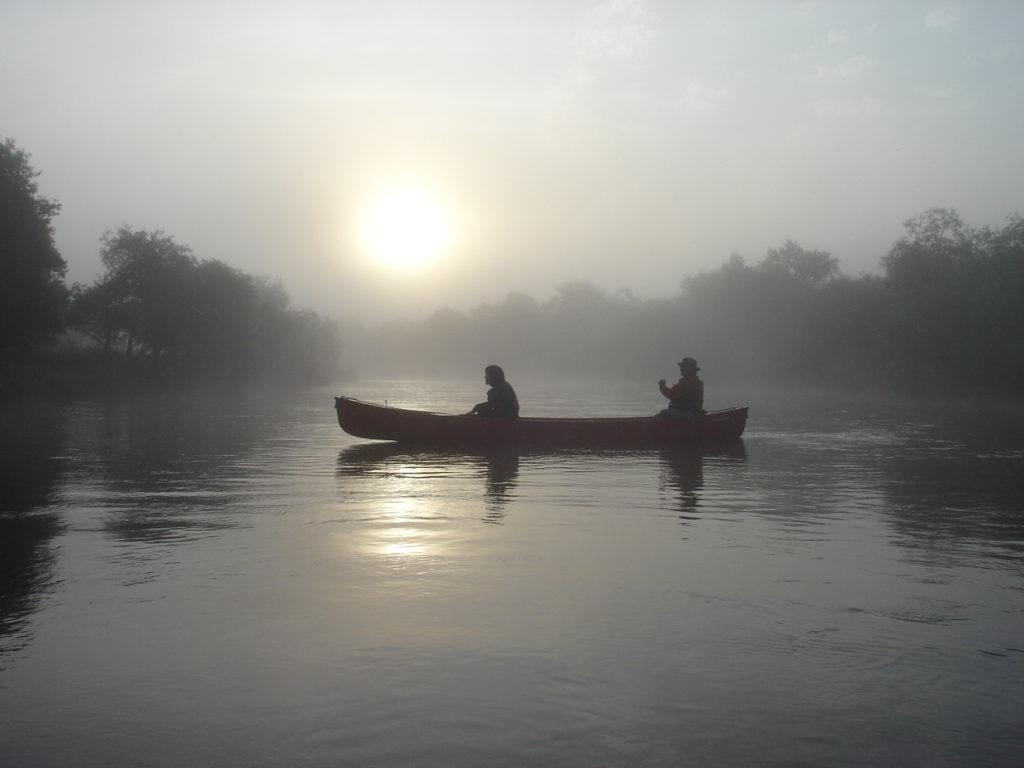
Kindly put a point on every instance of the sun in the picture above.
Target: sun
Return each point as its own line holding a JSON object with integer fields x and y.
{"x": 405, "y": 230}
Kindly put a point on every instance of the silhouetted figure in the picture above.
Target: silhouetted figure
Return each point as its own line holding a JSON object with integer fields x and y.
{"x": 502, "y": 473}
{"x": 501, "y": 398}
{"x": 686, "y": 396}
{"x": 684, "y": 471}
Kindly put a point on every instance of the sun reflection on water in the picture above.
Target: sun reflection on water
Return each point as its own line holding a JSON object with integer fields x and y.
{"x": 402, "y": 530}
{"x": 401, "y": 542}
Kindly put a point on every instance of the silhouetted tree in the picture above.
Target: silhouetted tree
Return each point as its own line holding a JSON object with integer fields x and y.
{"x": 1002, "y": 325}
{"x": 956, "y": 296}
{"x": 742, "y": 315}
{"x": 842, "y": 339}
{"x": 946, "y": 316}
{"x": 446, "y": 334}
{"x": 33, "y": 296}
{"x": 509, "y": 332}
{"x": 587, "y": 331}
{"x": 150, "y": 283}
{"x": 196, "y": 320}
{"x": 813, "y": 267}
{"x": 936, "y": 240}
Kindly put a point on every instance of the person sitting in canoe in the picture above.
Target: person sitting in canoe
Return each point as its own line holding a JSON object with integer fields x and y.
{"x": 686, "y": 396}
{"x": 501, "y": 398}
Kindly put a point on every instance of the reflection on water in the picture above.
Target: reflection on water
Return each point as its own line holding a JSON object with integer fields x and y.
{"x": 173, "y": 468}
{"x": 498, "y": 469}
{"x": 150, "y": 471}
{"x": 401, "y": 531}
{"x": 31, "y": 461}
{"x": 26, "y": 565}
{"x": 954, "y": 486}
{"x": 684, "y": 471}
{"x": 30, "y": 471}
{"x": 502, "y": 472}
{"x": 232, "y": 582}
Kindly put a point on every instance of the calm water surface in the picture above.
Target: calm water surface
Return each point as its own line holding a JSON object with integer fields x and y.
{"x": 234, "y": 581}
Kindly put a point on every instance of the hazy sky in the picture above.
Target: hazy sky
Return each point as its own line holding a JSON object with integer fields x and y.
{"x": 628, "y": 143}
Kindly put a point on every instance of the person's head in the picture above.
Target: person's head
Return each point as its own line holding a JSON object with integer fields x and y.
{"x": 494, "y": 375}
{"x": 688, "y": 365}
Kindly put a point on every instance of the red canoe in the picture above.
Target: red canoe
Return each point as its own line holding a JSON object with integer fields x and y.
{"x": 381, "y": 422}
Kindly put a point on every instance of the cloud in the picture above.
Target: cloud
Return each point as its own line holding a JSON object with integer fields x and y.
{"x": 944, "y": 93}
{"x": 843, "y": 109}
{"x": 807, "y": 9}
{"x": 949, "y": 98}
{"x": 1007, "y": 52}
{"x": 944, "y": 17}
{"x": 851, "y": 67}
{"x": 610, "y": 52}
{"x": 618, "y": 29}
{"x": 703, "y": 98}
{"x": 837, "y": 36}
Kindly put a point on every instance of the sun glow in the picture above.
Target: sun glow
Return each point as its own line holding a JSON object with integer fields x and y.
{"x": 406, "y": 230}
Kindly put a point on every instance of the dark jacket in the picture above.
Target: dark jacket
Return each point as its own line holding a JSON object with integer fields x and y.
{"x": 685, "y": 395}
{"x": 501, "y": 402}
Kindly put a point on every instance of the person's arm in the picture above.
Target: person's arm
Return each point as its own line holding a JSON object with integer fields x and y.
{"x": 668, "y": 392}
{"x": 487, "y": 408}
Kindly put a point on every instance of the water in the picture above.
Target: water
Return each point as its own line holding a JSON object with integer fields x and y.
{"x": 234, "y": 581}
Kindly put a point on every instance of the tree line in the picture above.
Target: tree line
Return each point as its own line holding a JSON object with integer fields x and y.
{"x": 157, "y": 314}
{"x": 945, "y": 316}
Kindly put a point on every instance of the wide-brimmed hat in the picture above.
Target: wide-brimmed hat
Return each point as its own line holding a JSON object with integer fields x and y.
{"x": 689, "y": 363}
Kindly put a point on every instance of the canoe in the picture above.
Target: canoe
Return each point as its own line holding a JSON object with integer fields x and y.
{"x": 383, "y": 422}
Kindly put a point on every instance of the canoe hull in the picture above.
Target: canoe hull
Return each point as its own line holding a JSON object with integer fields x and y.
{"x": 379, "y": 422}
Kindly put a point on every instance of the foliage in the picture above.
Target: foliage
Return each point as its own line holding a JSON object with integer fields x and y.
{"x": 189, "y": 320}
{"x": 145, "y": 302}
{"x": 957, "y": 304}
{"x": 32, "y": 292}
{"x": 812, "y": 267}
{"x": 947, "y": 316}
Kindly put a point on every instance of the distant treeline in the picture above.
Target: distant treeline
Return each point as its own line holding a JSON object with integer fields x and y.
{"x": 156, "y": 317}
{"x": 946, "y": 316}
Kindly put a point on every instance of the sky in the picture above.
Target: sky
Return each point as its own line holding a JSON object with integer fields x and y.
{"x": 385, "y": 158}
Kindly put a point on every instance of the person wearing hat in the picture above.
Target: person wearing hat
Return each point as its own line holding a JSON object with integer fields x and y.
{"x": 686, "y": 396}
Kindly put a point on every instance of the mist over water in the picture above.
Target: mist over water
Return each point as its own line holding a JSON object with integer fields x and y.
{"x": 233, "y": 580}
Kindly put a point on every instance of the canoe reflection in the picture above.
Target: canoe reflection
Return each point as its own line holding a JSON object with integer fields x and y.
{"x": 499, "y": 467}
{"x": 682, "y": 469}
{"x": 683, "y": 472}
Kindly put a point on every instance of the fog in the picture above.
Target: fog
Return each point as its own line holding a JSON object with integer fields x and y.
{"x": 625, "y": 144}
{"x": 945, "y": 317}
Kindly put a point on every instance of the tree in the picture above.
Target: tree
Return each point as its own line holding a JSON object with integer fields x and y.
{"x": 144, "y": 303}
{"x": 173, "y": 318}
{"x": 956, "y": 317}
{"x": 936, "y": 245}
{"x": 812, "y": 267}
{"x": 33, "y": 296}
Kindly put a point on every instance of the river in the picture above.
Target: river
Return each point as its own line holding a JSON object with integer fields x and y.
{"x": 230, "y": 579}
